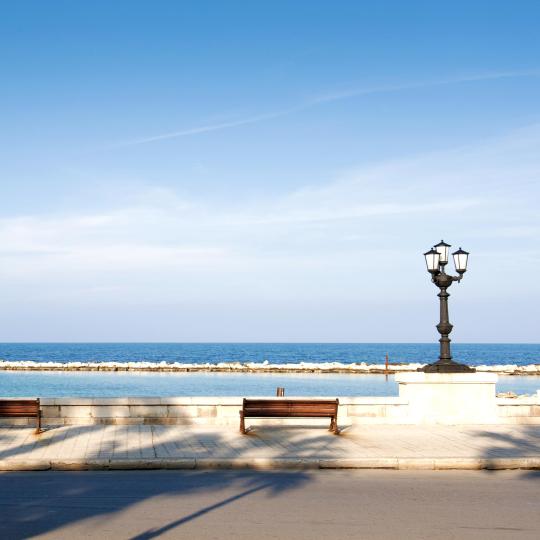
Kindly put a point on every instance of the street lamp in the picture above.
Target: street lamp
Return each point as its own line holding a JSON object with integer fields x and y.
{"x": 436, "y": 260}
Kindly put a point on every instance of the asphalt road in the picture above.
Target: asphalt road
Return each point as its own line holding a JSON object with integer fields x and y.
{"x": 371, "y": 504}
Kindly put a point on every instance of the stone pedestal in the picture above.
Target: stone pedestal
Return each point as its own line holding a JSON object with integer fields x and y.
{"x": 449, "y": 398}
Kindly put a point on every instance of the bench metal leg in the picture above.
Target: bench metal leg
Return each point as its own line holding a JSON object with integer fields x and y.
{"x": 242, "y": 423}
{"x": 38, "y": 422}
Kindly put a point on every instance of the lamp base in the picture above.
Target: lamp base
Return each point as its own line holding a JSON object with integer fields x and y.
{"x": 447, "y": 366}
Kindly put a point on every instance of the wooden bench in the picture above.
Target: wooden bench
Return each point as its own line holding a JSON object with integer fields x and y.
{"x": 21, "y": 408}
{"x": 290, "y": 408}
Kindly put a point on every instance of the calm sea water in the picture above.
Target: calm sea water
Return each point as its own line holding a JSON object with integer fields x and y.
{"x": 110, "y": 384}
{"x": 198, "y": 353}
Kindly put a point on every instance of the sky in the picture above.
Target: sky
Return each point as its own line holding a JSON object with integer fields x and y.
{"x": 267, "y": 171}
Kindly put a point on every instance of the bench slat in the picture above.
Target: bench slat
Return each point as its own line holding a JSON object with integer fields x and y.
{"x": 289, "y": 415}
{"x": 301, "y": 406}
{"x": 288, "y": 411}
{"x": 289, "y": 400}
{"x": 13, "y": 414}
{"x": 18, "y": 410}
{"x": 8, "y": 410}
{"x": 17, "y": 406}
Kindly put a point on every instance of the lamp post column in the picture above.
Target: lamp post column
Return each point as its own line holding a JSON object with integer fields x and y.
{"x": 444, "y": 327}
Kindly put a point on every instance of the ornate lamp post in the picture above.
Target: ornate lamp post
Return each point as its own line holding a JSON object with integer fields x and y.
{"x": 436, "y": 260}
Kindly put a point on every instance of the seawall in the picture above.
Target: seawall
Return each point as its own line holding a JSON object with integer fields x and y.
{"x": 223, "y": 411}
{"x": 251, "y": 367}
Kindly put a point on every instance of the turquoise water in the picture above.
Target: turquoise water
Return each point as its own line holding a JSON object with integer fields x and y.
{"x": 113, "y": 384}
{"x": 198, "y": 353}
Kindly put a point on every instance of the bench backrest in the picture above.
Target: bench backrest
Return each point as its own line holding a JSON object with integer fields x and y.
{"x": 19, "y": 407}
{"x": 277, "y": 408}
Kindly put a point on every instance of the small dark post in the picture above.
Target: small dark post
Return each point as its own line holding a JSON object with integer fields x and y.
{"x": 386, "y": 367}
{"x": 436, "y": 260}
{"x": 38, "y": 427}
{"x": 280, "y": 392}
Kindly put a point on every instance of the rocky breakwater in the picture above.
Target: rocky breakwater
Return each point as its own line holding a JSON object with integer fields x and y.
{"x": 249, "y": 367}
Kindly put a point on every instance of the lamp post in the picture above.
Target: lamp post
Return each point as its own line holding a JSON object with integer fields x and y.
{"x": 436, "y": 260}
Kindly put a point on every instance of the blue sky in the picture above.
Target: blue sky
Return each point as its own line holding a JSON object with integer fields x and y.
{"x": 248, "y": 171}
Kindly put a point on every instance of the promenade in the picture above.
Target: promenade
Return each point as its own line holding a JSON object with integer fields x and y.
{"x": 189, "y": 447}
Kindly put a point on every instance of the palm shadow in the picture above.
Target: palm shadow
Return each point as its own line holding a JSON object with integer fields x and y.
{"x": 35, "y": 441}
{"x": 522, "y": 441}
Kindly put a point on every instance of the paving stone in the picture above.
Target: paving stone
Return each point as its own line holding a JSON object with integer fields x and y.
{"x": 159, "y": 446}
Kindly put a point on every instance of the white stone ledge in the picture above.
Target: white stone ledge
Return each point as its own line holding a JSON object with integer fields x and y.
{"x": 446, "y": 378}
{"x": 209, "y": 400}
{"x": 513, "y": 402}
{"x": 367, "y": 400}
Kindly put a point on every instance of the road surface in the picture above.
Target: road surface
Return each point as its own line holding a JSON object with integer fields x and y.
{"x": 371, "y": 504}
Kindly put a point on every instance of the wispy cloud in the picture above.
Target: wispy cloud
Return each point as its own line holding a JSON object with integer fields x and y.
{"x": 358, "y": 92}
{"x": 329, "y": 98}
{"x": 205, "y": 129}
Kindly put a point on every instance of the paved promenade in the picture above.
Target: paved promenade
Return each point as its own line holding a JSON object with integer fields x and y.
{"x": 187, "y": 447}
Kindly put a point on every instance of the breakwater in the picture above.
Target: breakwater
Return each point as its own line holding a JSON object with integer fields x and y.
{"x": 358, "y": 368}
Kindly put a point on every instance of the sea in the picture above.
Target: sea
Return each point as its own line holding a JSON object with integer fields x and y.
{"x": 112, "y": 384}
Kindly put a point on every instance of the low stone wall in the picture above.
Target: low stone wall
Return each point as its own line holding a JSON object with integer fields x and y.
{"x": 525, "y": 410}
{"x": 223, "y": 411}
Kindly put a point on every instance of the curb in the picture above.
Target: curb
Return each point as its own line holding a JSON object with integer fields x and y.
{"x": 465, "y": 464}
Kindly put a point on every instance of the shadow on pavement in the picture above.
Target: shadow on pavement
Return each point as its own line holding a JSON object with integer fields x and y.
{"x": 48, "y": 436}
{"x": 34, "y": 503}
{"x": 154, "y": 533}
{"x": 521, "y": 441}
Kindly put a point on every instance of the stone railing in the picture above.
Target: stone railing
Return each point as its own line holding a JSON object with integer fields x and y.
{"x": 220, "y": 411}
{"x": 223, "y": 411}
{"x": 521, "y": 410}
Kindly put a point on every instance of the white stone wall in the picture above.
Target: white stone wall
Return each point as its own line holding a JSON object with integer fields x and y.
{"x": 223, "y": 411}
{"x": 201, "y": 411}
